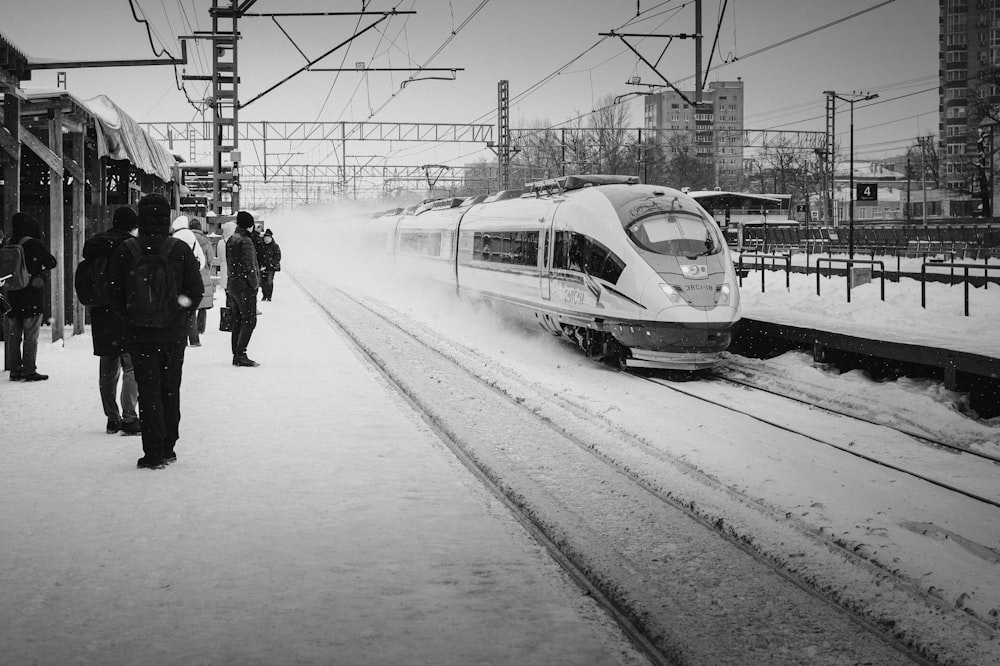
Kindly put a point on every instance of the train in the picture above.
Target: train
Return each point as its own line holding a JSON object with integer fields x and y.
{"x": 637, "y": 275}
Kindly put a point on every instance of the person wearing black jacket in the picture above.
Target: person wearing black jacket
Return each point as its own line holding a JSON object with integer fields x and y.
{"x": 270, "y": 263}
{"x": 107, "y": 331}
{"x": 24, "y": 320}
{"x": 241, "y": 287}
{"x": 157, "y": 352}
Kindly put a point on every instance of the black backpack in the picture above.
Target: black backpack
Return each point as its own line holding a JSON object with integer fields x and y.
{"x": 13, "y": 265}
{"x": 91, "y": 281}
{"x": 151, "y": 290}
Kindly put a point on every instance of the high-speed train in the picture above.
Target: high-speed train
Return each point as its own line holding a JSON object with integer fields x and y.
{"x": 637, "y": 274}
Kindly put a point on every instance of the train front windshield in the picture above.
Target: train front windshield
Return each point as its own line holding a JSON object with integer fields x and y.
{"x": 670, "y": 226}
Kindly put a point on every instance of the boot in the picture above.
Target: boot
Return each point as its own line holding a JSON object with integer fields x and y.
{"x": 244, "y": 362}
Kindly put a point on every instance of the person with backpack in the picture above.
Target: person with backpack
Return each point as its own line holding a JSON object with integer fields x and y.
{"x": 155, "y": 285}
{"x": 26, "y": 295}
{"x": 242, "y": 282}
{"x": 107, "y": 327}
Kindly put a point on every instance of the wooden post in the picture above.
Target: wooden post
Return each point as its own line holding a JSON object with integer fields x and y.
{"x": 79, "y": 220}
{"x": 57, "y": 245}
{"x": 10, "y": 155}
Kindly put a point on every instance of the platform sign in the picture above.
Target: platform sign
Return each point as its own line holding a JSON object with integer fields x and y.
{"x": 800, "y": 212}
{"x": 866, "y": 192}
{"x": 860, "y": 275}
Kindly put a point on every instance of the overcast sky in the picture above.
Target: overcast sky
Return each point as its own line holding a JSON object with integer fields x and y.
{"x": 550, "y": 50}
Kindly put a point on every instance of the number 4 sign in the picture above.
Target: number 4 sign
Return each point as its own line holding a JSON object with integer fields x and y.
{"x": 867, "y": 192}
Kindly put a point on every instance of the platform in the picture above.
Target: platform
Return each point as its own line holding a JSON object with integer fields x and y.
{"x": 310, "y": 518}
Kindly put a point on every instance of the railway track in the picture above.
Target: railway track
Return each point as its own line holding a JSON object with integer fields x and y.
{"x": 707, "y": 393}
{"x": 729, "y": 377}
{"x": 519, "y": 467}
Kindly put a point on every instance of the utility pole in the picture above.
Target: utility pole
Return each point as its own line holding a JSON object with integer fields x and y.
{"x": 851, "y": 98}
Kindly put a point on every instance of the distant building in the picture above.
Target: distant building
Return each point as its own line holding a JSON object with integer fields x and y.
{"x": 969, "y": 52}
{"x": 714, "y": 132}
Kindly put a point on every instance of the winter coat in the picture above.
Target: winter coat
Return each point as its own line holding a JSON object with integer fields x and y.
{"x": 187, "y": 277}
{"x": 228, "y": 228}
{"x": 180, "y": 231}
{"x": 30, "y": 301}
{"x": 208, "y": 300}
{"x": 107, "y": 328}
{"x": 270, "y": 257}
{"x": 241, "y": 263}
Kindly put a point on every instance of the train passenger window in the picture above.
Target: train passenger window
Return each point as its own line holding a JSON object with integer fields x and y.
{"x": 506, "y": 247}
{"x": 423, "y": 243}
{"x": 576, "y": 252}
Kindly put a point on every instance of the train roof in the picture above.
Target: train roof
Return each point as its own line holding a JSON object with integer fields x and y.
{"x": 566, "y": 183}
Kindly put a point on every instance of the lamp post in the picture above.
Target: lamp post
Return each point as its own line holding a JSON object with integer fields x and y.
{"x": 851, "y": 98}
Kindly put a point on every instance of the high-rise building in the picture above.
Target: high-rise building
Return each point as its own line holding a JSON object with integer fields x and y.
{"x": 713, "y": 133}
{"x": 969, "y": 52}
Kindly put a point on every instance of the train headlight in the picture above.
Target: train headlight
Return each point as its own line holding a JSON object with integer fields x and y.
{"x": 672, "y": 293}
{"x": 722, "y": 294}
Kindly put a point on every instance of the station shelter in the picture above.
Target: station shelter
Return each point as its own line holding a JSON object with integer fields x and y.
{"x": 70, "y": 163}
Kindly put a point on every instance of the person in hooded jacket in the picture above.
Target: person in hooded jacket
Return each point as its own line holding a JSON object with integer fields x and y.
{"x": 107, "y": 330}
{"x": 270, "y": 263}
{"x": 24, "y": 320}
{"x": 157, "y": 352}
{"x": 243, "y": 280}
{"x": 180, "y": 231}
{"x": 208, "y": 300}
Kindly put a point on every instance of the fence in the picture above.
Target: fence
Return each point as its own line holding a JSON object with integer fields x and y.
{"x": 961, "y": 241}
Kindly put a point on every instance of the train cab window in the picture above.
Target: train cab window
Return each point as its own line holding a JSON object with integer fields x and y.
{"x": 670, "y": 225}
{"x": 576, "y": 252}
{"x": 675, "y": 233}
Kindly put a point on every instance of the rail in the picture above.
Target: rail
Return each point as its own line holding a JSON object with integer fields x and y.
{"x": 850, "y": 264}
{"x": 787, "y": 258}
{"x": 965, "y": 279}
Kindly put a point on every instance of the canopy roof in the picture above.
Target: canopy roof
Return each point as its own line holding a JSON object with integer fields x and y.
{"x": 118, "y": 135}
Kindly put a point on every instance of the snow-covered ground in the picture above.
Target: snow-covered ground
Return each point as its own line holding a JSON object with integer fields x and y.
{"x": 311, "y": 518}
{"x": 899, "y": 318}
{"x": 947, "y": 549}
{"x": 236, "y": 542}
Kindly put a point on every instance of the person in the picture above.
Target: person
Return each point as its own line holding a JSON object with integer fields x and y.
{"x": 107, "y": 329}
{"x": 242, "y": 282}
{"x": 228, "y": 228}
{"x": 180, "y": 231}
{"x": 270, "y": 264}
{"x": 157, "y": 349}
{"x": 208, "y": 300}
{"x": 24, "y": 320}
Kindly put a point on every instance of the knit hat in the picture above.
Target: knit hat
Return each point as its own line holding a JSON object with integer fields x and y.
{"x": 180, "y": 223}
{"x": 125, "y": 219}
{"x": 269, "y": 233}
{"x": 154, "y": 214}
{"x": 244, "y": 220}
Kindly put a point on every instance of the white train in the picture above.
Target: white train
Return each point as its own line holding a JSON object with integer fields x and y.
{"x": 637, "y": 274}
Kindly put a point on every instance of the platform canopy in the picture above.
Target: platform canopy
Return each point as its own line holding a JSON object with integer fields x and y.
{"x": 118, "y": 135}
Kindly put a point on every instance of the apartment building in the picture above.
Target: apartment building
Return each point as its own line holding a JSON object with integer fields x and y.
{"x": 969, "y": 48}
{"x": 713, "y": 132}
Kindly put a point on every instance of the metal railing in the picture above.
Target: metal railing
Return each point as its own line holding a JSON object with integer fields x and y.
{"x": 965, "y": 280}
{"x": 787, "y": 258}
{"x": 850, "y": 264}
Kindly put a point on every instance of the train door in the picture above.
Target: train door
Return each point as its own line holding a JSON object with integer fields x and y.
{"x": 545, "y": 247}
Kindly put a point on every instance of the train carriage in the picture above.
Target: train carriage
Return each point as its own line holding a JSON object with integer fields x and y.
{"x": 637, "y": 274}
